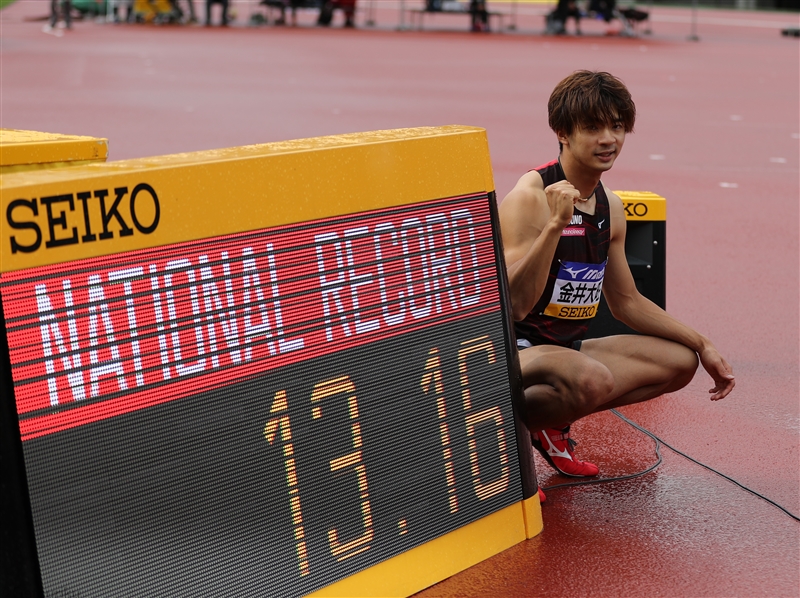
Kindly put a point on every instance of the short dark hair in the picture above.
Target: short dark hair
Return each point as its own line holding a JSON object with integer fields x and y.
{"x": 587, "y": 98}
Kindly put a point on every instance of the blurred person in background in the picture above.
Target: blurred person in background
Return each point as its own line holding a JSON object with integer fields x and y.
{"x": 224, "y": 20}
{"x": 348, "y": 7}
{"x": 61, "y": 8}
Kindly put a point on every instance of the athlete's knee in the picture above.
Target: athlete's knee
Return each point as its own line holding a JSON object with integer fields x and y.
{"x": 590, "y": 389}
{"x": 684, "y": 365}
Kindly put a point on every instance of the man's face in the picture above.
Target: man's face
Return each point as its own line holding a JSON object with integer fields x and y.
{"x": 596, "y": 146}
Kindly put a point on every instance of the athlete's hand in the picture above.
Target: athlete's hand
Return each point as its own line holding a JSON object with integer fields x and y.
{"x": 561, "y": 196}
{"x": 720, "y": 371}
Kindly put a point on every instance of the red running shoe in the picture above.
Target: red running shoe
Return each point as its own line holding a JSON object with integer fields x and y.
{"x": 556, "y": 447}
{"x": 542, "y": 497}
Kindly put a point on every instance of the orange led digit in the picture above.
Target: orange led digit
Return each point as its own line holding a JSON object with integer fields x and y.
{"x": 433, "y": 378}
{"x": 344, "y": 550}
{"x": 281, "y": 405}
{"x": 482, "y": 489}
{"x": 471, "y": 346}
{"x": 485, "y": 490}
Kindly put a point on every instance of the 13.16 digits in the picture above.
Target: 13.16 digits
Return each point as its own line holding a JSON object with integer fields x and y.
{"x": 278, "y": 432}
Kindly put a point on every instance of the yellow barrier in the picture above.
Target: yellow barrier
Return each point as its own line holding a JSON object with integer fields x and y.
{"x": 646, "y": 252}
{"x": 643, "y": 206}
{"x": 32, "y": 150}
{"x": 148, "y": 10}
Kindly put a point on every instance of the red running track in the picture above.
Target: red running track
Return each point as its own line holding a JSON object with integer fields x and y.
{"x": 717, "y": 134}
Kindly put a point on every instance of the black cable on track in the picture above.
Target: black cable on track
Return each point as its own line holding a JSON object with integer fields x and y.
{"x": 658, "y": 442}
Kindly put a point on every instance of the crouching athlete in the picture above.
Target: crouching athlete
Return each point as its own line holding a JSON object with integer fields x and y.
{"x": 564, "y": 242}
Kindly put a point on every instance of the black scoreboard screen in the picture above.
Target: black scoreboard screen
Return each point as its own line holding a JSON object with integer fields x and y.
{"x": 267, "y": 412}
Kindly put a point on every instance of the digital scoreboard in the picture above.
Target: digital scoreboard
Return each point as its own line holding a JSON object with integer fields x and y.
{"x": 258, "y": 371}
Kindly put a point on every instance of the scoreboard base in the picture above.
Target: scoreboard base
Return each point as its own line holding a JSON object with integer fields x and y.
{"x": 435, "y": 561}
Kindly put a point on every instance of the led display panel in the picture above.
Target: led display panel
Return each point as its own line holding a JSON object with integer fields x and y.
{"x": 266, "y": 412}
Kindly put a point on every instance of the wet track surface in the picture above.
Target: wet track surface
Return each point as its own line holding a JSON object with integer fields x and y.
{"x": 717, "y": 135}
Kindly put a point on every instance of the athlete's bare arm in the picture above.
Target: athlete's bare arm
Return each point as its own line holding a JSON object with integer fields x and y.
{"x": 531, "y": 221}
{"x": 630, "y": 307}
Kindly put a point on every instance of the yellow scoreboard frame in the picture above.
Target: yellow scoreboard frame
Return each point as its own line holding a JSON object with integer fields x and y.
{"x": 32, "y": 150}
{"x": 136, "y": 219}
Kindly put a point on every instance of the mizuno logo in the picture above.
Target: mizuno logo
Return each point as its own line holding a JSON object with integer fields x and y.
{"x": 574, "y": 273}
{"x": 600, "y": 224}
{"x": 553, "y": 451}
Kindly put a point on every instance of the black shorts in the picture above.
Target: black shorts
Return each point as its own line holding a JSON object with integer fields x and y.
{"x": 523, "y": 343}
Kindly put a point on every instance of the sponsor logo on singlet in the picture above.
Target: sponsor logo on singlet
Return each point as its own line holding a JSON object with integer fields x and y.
{"x": 573, "y": 232}
{"x": 578, "y": 230}
{"x": 576, "y": 293}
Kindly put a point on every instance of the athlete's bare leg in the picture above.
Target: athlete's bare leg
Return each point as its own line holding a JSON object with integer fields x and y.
{"x": 562, "y": 385}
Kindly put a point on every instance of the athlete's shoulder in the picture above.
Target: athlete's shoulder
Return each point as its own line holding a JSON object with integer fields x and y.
{"x": 524, "y": 202}
{"x": 527, "y": 189}
{"x": 546, "y": 166}
{"x": 531, "y": 180}
{"x": 550, "y": 172}
{"x": 617, "y": 212}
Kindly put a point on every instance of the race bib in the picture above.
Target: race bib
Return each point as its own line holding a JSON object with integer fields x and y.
{"x": 576, "y": 294}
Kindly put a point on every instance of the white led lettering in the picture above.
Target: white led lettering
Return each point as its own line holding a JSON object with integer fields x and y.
{"x": 472, "y": 267}
{"x": 358, "y": 280}
{"x": 127, "y": 276}
{"x": 103, "y": 368}
{"x": 331, "y": 288}
{"x": 400, "y": 315}
{"x": 440, "y": 261}
{"x": 51, "y": 335}
{"x": 413, "y": 297}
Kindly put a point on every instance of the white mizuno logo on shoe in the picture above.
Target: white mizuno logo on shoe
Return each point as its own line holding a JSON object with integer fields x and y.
{"x": 552, "y": 450}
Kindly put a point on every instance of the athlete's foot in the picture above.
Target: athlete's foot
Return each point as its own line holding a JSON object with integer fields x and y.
{"x": 556, "y": 447}
{"x": 542, "y": 497}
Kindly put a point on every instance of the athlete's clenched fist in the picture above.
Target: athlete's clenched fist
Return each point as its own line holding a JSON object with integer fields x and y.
{"x": 561, "y": 196}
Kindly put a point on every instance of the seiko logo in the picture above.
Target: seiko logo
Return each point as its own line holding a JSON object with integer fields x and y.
{"x": 67, "y": 219}
{"x": 577, "y": 313}
{"x": 636, "y": 209}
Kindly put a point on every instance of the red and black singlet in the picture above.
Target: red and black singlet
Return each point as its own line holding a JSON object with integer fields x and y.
{"x": 572, "y": 294}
